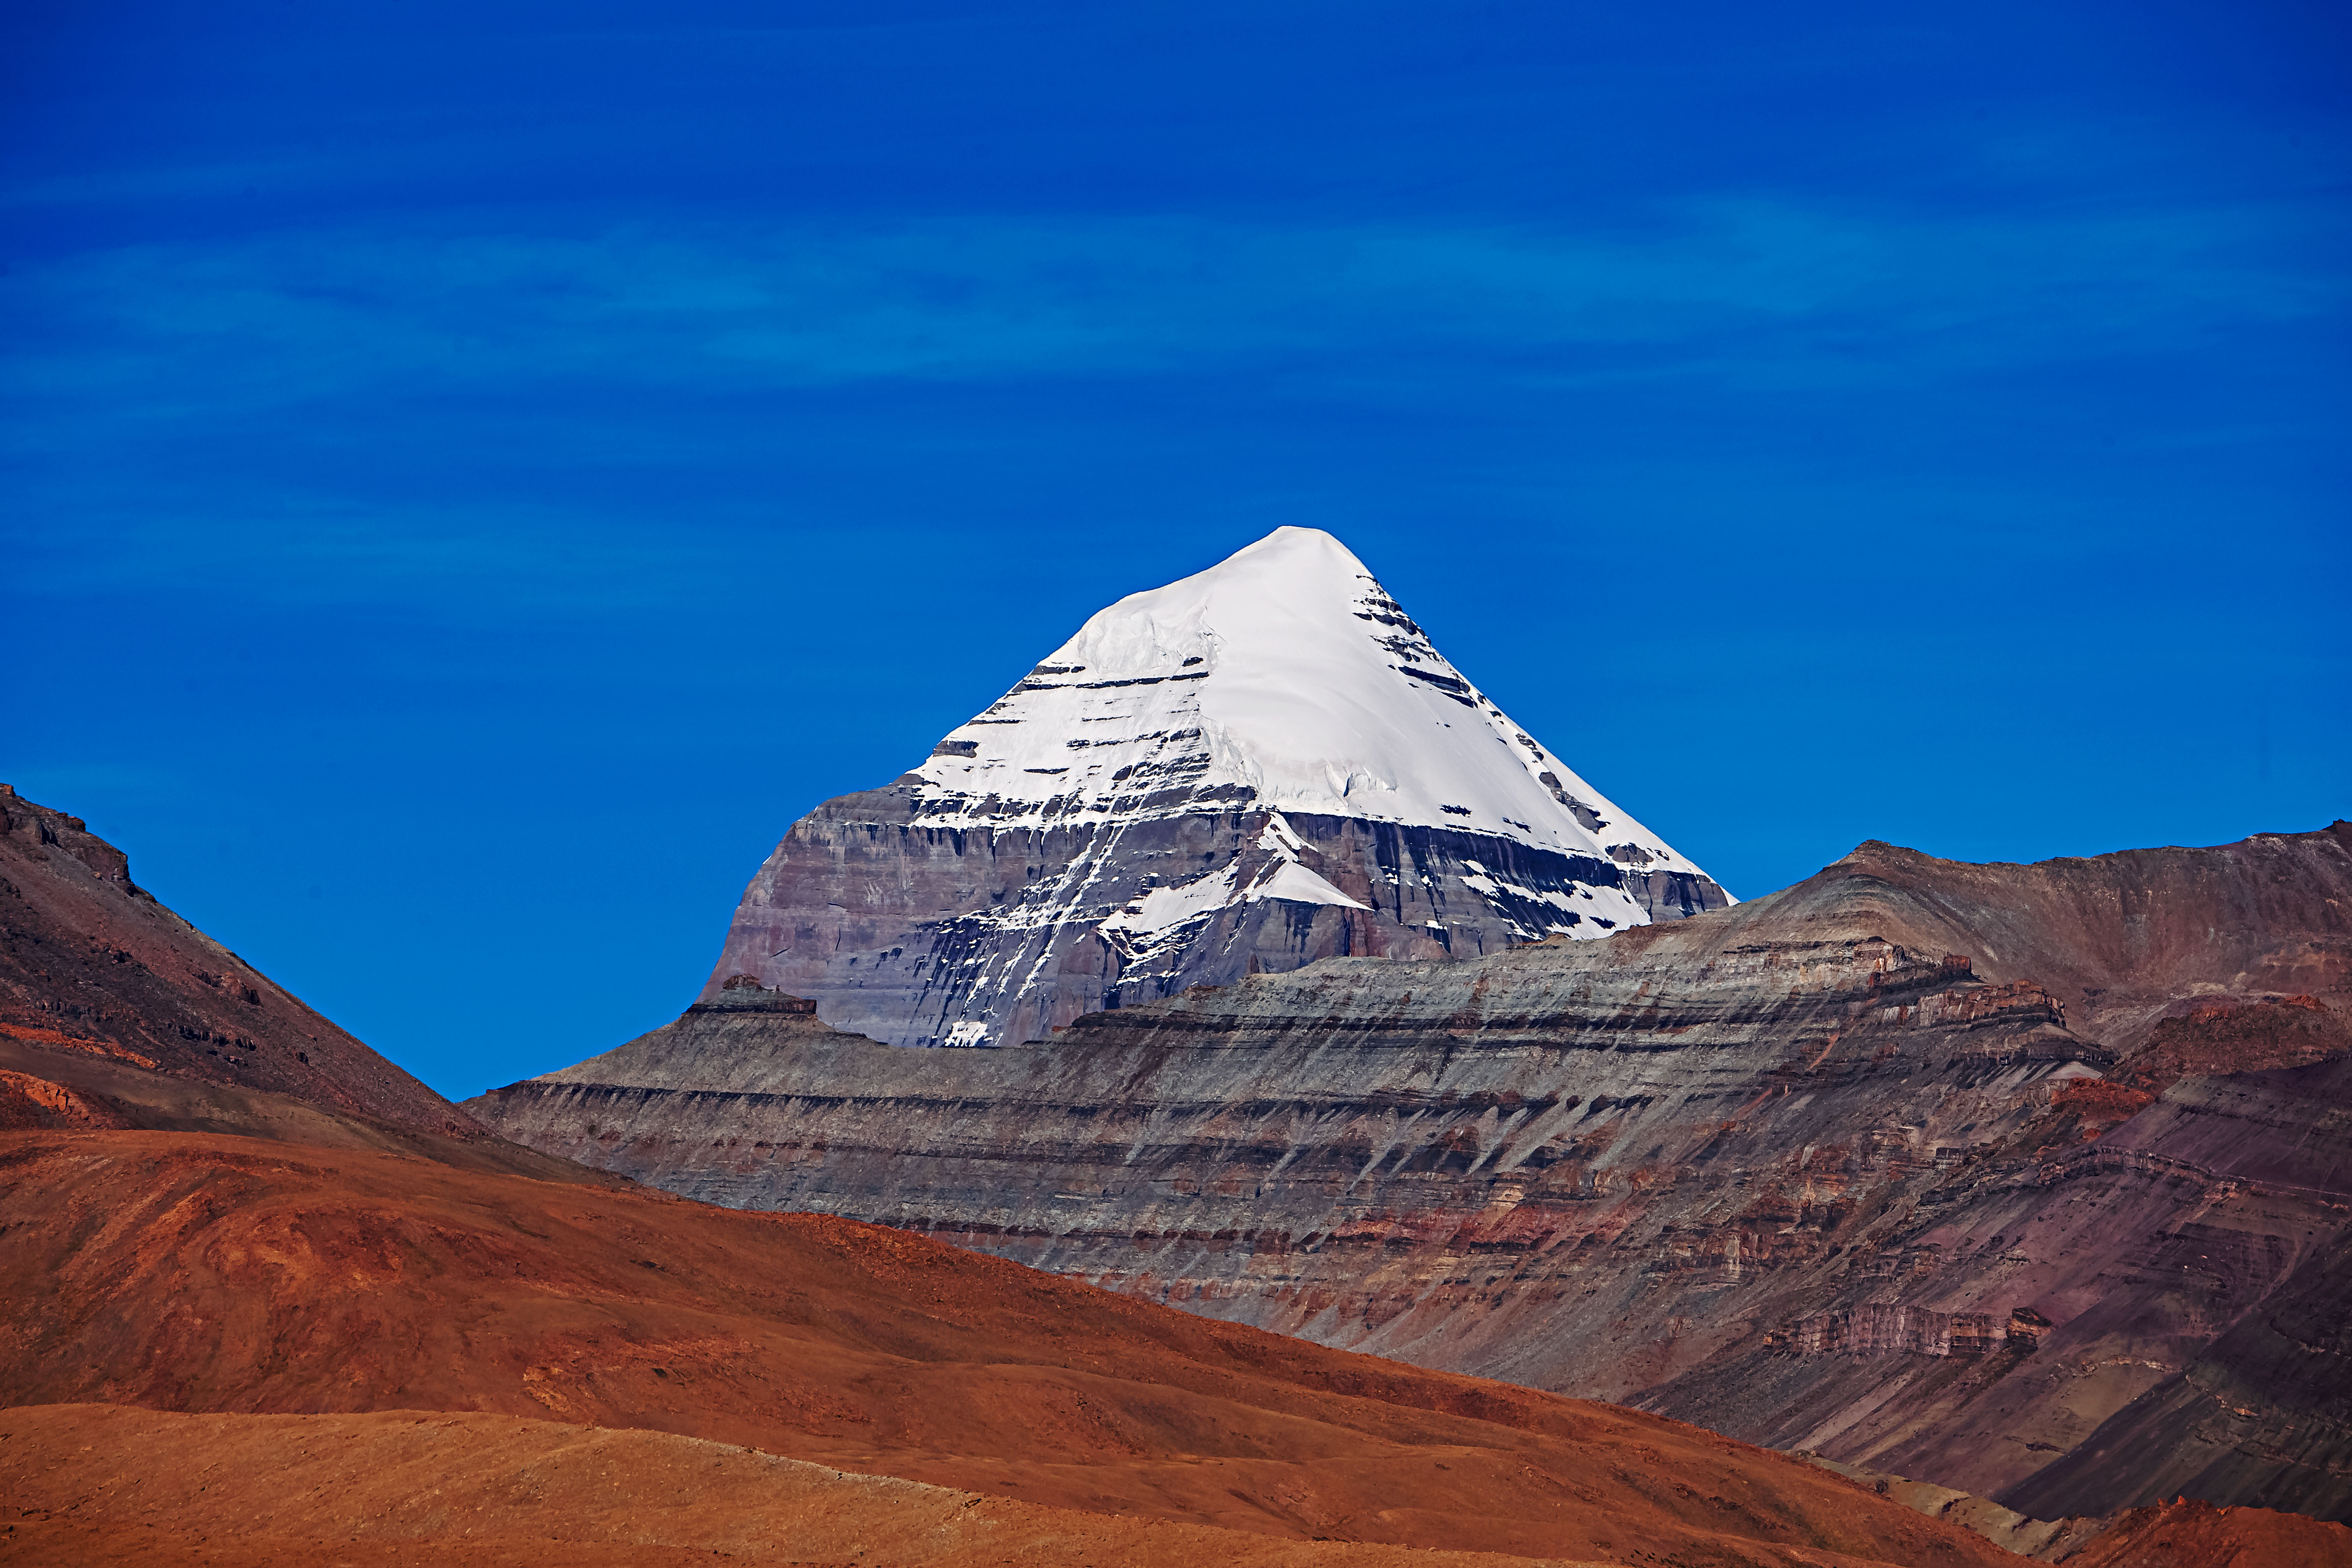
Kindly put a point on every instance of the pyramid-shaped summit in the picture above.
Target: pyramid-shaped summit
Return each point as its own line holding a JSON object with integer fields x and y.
{"x": 1262, "y": 765}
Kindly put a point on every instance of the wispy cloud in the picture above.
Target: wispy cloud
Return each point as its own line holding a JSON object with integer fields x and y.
{"x": 316, "y": 337}
{"x": 1757, "y": 290}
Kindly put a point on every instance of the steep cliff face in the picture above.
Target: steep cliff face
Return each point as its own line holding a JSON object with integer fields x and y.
{"x": 93, "y": 966}
{"x": 1840, "y": 1169}
{"x": 1261, "y": 765}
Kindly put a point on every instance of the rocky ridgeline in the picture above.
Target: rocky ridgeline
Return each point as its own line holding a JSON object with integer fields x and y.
{"x": 1826, "y": 1171}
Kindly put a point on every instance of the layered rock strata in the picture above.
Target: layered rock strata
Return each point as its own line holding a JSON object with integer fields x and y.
{"x": 1264, "y": 764}
{"x": 1840, "y": 1169}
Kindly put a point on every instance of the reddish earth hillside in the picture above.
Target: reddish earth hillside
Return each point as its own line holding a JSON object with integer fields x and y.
{"x": 207, "y": 1274}
{"x": 96, "y": 1483}
{"x": 101, "y": 1483}
{"x": 91, "y": 965}
{"x": 46, "y": 1090}
{"x": 2185, "y": 1534}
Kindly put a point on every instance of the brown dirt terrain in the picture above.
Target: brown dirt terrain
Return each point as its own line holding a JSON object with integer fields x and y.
{"x": 42, "y": 1088}
{"x": 202, "y": 1273}
{"x": 2189, "y": 1534}
{"x": 96, "y": 1482}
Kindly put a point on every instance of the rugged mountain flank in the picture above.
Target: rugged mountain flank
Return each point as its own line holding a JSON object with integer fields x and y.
{"x": 1899, "y": 1164}
{"x": 93, "y": 966}
{"x": 1262, "y": 765}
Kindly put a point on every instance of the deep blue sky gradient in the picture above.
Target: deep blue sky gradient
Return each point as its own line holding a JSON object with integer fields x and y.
{"x": 471, "y": 474}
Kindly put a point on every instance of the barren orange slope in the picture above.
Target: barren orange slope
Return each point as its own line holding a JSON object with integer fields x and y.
{"x": 2185, "y": 1534}
{"x": 206, "y": 1273}
{"x": 101, "y": 1483}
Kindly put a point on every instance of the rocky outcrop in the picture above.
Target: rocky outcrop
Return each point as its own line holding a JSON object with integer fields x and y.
{"x": 93, "y": 966}
{"x": 920, "y": 933}
{"x": 1840, "y": 1169}
{"x": 2046, "y": 1540}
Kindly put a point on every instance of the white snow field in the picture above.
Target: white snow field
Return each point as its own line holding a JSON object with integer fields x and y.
{"x": 1287, "y": 673}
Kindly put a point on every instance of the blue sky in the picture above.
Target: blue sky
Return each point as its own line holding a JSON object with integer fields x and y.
{"x": 472, "y": 475}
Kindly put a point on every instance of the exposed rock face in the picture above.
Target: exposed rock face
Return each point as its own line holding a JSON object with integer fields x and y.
{"x": 1838, "y": 1169}
{"x": 1261, "y": 765}
{"x": 2263, "y": 1412}
{"x": 90, "y": 965}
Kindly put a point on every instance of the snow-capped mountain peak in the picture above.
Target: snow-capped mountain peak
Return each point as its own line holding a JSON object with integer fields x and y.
{"x": 1265, "y": 764}
{"x": 1286, "y": 670}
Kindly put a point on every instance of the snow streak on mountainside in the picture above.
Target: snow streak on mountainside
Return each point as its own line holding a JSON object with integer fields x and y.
{"x": 1262, "y": 765}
